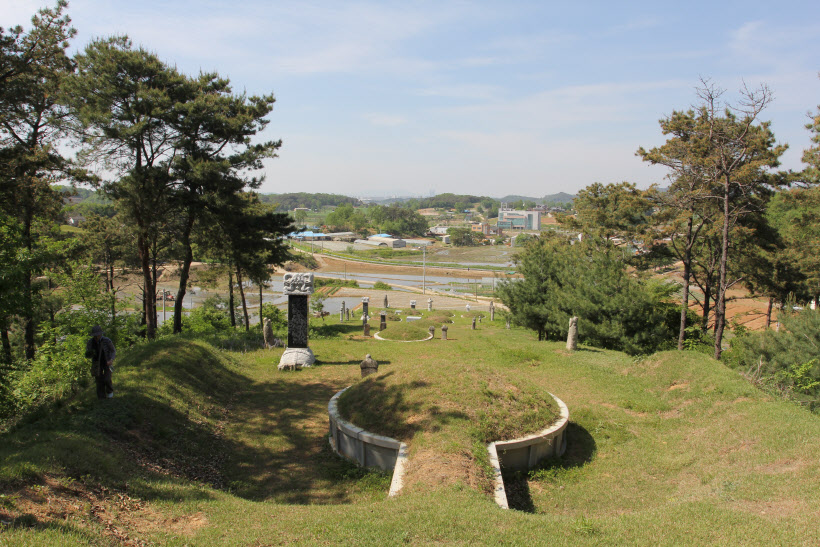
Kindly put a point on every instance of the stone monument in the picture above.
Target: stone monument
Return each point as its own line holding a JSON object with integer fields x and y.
{"x": 429, "y": 304}
{"x": 444, "y": 332}
{"x": 365, "y": 307}
{"x": 572, "y": 336}
{"x": 492, "y": 311}
{"x": 382, "y": 320}
{"x": 366, "y": 328}
{"x": 342, "y": 312}
{"x": 268, "y": 333}
{"x": 347, "y": 312}
{"x": 412, "y": 304}
{"x": 298, "y": 287}
{"x": 432, "y": 331}
{"x": 369, "y": 366}
{"x": 473, "y": 323}
{"x": 385, "y": 302}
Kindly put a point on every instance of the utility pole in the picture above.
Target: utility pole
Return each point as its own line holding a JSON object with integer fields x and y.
{"x": 424, "y": 270}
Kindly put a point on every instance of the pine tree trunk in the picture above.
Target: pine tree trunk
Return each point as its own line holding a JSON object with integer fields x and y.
{"x": 242, "y": 297}
{"x": 149, "y": 290}
{"x": 720, "y": 309}
{"x": 687, "y": 266}
{"x": 4, "y": 334}
{"x": 230, "y": 295}
{"x": 261, "y": 321}
{"x": 184, "y": 273}
{"x": 769, "y": 313}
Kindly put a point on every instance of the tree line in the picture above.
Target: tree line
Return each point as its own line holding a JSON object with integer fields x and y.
{"x": 174, "y": 156}
{"x": 727, "y": 215}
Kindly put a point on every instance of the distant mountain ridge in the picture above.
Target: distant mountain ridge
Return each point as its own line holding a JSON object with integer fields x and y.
{"x": 560, "y": 197}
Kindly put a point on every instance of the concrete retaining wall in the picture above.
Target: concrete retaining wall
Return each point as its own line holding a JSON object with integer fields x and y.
{"x": 365, "y": 448}
{"x": 526, "y": 452}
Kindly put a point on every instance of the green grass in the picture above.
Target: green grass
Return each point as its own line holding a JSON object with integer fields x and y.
{"x": 205, "y": 447}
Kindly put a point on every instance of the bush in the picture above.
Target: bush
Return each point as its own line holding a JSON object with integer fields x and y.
{"x": 382, "y": 286}
{"x": 784, "y": 361}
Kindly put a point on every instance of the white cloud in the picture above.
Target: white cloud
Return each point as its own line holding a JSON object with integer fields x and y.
{"x": 386, "y": 120}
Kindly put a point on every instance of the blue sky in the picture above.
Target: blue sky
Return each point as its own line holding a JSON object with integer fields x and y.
{"x": 486, "y": 98}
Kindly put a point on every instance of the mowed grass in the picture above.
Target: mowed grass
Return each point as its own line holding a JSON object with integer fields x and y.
{"x": 202, "y": 447}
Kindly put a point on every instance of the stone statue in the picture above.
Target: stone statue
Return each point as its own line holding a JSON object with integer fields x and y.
{"x": 268, "y": 333}
{"x": 444, "y": 332}
{"x": 473, "y": 323}
{"x": 369, "y": 366}
{"x": 297, "y": 287}
{"x": 429, "y": 304}
{"x": 572, "y": 336}
{"x": 432, "y": 331}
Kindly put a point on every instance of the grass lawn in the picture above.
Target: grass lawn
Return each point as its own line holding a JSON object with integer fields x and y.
{"x": 206, "y": 447}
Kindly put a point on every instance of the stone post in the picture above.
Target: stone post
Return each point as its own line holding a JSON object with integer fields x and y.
{"x": 412, "y": 304}
{"x": 492, "y": 311}
{"x": 268, "y": 333}
{"x": 347, "y": 312}
{"x": 365, "y": 307}
{"x": 385, "y": 302}
{"x": 432, "y": 331}
{"x": 383, "y": 320}
{"x": 508, "y": 323}
{"x": 366, "y": 328}
{"x": 572, "y": 336}
{"x": 369, "y": 366}
{"x": 429, "y": 304}
{"x": 444, "y": 332}
{"x": 297, "y": 287}
{"x": 473, "y": 323}
{"x": 480, "y": 318}
{"x": 342, "y": 312}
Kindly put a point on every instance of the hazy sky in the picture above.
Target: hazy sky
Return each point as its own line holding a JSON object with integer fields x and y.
{"x": 486, "y": 98}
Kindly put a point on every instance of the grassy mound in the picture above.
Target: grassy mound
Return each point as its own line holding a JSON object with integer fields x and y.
{"x": 405, "y": 331}
{"x": 674, "y": 449}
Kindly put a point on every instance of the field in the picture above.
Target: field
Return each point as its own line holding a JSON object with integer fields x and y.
{"x": 202, "y": 446}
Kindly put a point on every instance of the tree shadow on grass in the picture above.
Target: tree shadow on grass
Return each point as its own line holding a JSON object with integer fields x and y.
{"x": 580, "y": 450}
{"x": 348, "y": 362}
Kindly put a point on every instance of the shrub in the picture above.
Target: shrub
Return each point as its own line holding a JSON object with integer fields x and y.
{"x": 382, "y": 286}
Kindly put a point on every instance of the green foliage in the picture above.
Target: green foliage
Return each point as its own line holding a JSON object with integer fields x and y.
{"x": 464, "y": 237}
{"x": 397, "y": 220}
{"x": 278, "y": 318}
{"x": 382, "y": 286}
{"x": 785, "y": 359}
{"x": 317, "y": 304}
{"x": 615, "y": 310}
{"x": 333, "y": 282}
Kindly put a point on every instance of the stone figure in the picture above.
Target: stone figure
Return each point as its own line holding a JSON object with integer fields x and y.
{"x": 342, "y": 312}
{"x": 473, "y": 323}
{"x": 429, "y": 304}
{"x": 366, "y": 328}
{"x": 267, "y": 332}
{"x": 385, "y": 302}
{"x": 492, "y": 311}
{"x": 432, "y": 331}
{"x": 572, "y": 336}
{"x": 444, "y": 332}
{"x": 347, "y": 312}
{"x": 369, "y": 366}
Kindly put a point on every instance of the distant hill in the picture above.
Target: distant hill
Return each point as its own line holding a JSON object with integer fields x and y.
{"x": 560, "y": 197}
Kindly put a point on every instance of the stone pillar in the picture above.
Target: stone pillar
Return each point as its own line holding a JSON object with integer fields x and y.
{"x": 342, "y": 312}
{"x": 383, "y": 320}
{"x": 369, "y": 366}
{"x": 366, "y": 329}
{"x": 268, "y": 333}
{"x": 412, "y": 304}
{"x": 365, "y": 307}
{"x": 385, "y": 302}
{"x": 508, "y": 323}
{"x": 444, "y": 332}
{"x": 429, "y": 304}
{"x": 492, "y": 311}
{"x": 480, "y": 318}
{"x": 347, "y": 312}
{"x": 297, "y": 287}
{"x": 473, "y": 323}
{"x": 572, "y": 336}
{"x": 432, "y": 331}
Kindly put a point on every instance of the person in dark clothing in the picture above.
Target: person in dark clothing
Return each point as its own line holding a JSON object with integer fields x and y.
{"x": 102, "y": 353}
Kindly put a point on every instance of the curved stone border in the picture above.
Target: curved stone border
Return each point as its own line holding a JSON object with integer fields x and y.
{"x": 377, "y": 337}
{"x": 365, "y": 448}
{"x": 526, "y": 452}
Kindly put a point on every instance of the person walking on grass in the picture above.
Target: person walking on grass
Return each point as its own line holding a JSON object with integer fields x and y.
{"x": 100, "y": 350}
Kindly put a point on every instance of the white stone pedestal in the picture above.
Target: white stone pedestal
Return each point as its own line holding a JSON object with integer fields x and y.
{"x": 296, "y": 358}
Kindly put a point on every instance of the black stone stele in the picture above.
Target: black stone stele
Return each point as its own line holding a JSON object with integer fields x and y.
{"x": 297, "y": 287}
